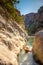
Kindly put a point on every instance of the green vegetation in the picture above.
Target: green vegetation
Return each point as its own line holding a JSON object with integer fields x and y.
{"x": 35, "y": 27}
{"x": 30, "y": 41}
{"x": 10, "y": 5}
{"x": 35, "y": 23}
{"x": 32, "y": 28}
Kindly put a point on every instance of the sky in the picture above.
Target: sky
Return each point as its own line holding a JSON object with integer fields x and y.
{"x": 28, "y": 6}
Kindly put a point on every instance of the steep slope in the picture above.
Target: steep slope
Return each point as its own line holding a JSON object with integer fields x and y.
{"x": 12, "y": 39}
{"x": 14, "y": 13}
{"x": 28, "y": 18}
{"x": 34, "y": 21}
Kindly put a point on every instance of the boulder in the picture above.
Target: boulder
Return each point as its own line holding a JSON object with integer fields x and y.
{"x": 38, "y": 46}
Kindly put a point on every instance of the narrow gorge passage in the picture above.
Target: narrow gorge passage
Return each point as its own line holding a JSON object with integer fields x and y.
{"x": 27, "y": 60}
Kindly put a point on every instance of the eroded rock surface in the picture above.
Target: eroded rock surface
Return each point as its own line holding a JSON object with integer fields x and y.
{"x": 38, "y": 47}
{"x": 12, "y": 39}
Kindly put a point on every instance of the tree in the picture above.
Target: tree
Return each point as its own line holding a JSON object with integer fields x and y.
{"x": 9, "y": 5}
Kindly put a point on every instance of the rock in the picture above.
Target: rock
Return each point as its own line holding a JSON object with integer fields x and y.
{"x": 34, "y": 21}
{"x": 27, "y": 49}
{"x": 12, "y": 39}
{"x": 38, "y": 47}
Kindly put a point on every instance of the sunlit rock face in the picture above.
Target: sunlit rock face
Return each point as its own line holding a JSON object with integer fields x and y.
{"x": 38, "y": 46}
{"x": 12, "y": 39}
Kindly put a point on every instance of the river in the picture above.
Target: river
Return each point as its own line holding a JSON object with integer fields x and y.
{"x": 27, "y": 58}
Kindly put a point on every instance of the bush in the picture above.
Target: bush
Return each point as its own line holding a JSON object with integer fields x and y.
{"x": 9, "y": 5}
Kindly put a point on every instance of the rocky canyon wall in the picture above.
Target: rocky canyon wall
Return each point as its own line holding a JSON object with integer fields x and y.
{"x": 12, "y": 39}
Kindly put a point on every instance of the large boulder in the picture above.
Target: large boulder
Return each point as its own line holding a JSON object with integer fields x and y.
{"x": 38, "y": 46}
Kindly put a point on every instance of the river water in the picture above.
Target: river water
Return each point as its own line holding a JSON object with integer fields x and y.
{"x": 27, "y": 58}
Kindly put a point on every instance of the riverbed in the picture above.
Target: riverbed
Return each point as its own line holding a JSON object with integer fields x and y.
{"x": 27, "y": 58}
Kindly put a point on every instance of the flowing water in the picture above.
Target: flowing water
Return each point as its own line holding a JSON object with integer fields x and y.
{"x": 27, "y": 58}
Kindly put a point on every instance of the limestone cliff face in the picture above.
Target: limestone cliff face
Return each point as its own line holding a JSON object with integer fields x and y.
{"x": 12, "y": 39}
{"x": 38, "y": 46}
{"x": 34, "y": 21}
